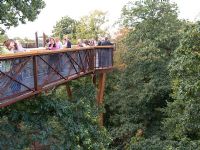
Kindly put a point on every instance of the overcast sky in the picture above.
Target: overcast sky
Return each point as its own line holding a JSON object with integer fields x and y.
{"x": 56, "y": 9}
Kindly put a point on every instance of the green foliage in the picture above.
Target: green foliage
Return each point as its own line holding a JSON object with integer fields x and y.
{"x": 140, "y": 93}
{"x": 66, "y": 26}
{"x": 88, "y": 27}
{"x": 14, "y": 11}
{"x": 121, "y": 47}
{"x": 183, "y": 119}
{"x": 154, "y": 21}
{"x": 155, "y": 143}
{"x": 3, "y": 37}
{"x": 91, "y": 26}
{"x": 54, "y": 121}
{"x": 144, "y": 85}
{"x": 112, "y": 83}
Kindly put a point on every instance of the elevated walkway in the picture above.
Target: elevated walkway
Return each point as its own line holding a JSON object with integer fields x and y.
{"x": 23, "y": 75}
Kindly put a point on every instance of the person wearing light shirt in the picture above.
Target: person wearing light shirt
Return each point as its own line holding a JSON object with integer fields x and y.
{"x": 58, "y": 43}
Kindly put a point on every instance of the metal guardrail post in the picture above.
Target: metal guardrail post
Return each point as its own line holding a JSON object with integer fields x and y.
{"x": 35, "y": 73}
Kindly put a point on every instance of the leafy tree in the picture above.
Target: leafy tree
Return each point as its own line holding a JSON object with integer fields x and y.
{"x": 156, "y": 21}
{"x": 66, "y": 26}
{"x": 120, "y": 46}
{"x": 183, "y": 117}
{"x": 54, "y": 121}
{"x": 14, "y": 11}
{"x": 145, "y": 83}
{"x": 91, "y": 26}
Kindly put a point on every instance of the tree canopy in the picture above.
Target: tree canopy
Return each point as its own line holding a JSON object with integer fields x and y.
{"x": 183, "y": 113}
{"x": 91, "y": 26}
{"x": 65, "y": 26}
{"x": 13, "y": 12}
{"x": 54, "y": 121}
{"x": 145, "y": 83}
{"x": 151, "y": 103}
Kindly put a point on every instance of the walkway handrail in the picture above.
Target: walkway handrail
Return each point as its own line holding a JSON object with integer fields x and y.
{"x": 43, "y": 51}
{"x": 25, "y": 74}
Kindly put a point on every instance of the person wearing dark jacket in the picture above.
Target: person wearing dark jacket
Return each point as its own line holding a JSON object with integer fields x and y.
{"x": 106, "y": 42}
{"x": 105, "y": 55}
{"x": 67, "y": 43}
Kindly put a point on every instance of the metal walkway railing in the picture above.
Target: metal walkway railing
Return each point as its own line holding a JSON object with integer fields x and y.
{"x": 26, "y": 74}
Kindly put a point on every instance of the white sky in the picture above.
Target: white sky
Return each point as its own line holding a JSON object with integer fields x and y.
{"x": 56, "y": 9}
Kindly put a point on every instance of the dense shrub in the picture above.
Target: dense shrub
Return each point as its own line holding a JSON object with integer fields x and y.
{"x": 183, "y": 118}
{"x": 54, "y": 121}
{"x": 143, "y": 87}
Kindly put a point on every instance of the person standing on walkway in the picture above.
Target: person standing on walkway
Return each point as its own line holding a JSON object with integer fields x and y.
{"x": 105, "y": 55}
{"x": 67, "y": 43}
{"x": 106, "y": 41}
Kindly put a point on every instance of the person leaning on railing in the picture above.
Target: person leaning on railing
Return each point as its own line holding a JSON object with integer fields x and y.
{"x": 4, "y": 50}
{"x": 14, "y": 47}
{"x": 5, "y": 65}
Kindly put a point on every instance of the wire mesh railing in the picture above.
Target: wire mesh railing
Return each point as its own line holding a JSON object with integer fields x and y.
{"x": 25, "y": 74}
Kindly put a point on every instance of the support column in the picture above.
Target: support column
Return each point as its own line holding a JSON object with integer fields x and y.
{"x": 100, "y": 94}
{"x": 36, "y": 40}
{"x": 35, "y": 73}
{"x": 94, "y": 79}
{"x": 69, "y": 91}
{"x": 44, "y": 39}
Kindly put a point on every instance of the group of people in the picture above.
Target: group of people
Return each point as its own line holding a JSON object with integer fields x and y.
{"x": 55, "y": 43}
{"x": 13, "y": 46}
{"x": 100, "y": 42}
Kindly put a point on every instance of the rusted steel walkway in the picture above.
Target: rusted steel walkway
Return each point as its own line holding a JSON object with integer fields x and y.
{"x": 26, "y": 74}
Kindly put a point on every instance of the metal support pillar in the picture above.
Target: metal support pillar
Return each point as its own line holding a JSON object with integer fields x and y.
{"x": 100, "y": 94}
